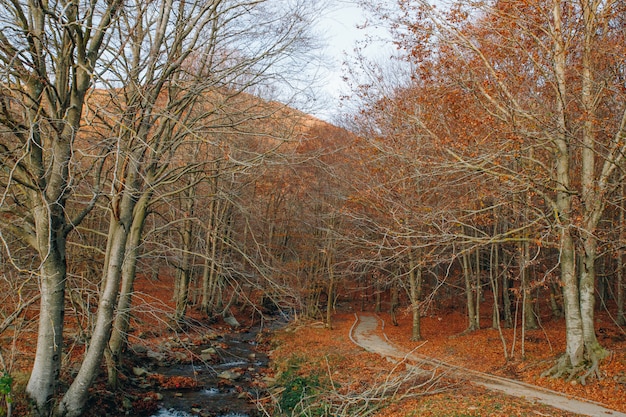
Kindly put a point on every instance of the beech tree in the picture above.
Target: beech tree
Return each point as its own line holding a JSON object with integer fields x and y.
{"x": 545, "y": 81}
{"x": 155, "y": 65}
{"x": 49, "y": 55}
{"x": 191, "y": 85}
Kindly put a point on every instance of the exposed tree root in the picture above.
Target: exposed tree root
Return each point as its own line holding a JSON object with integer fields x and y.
{"x": 468, "y": 330}
{"x": 588, "y": 368}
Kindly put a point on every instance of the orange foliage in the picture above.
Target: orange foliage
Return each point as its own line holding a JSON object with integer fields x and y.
{"x": 173, "y": 382}
{"x": 353, "y": 368}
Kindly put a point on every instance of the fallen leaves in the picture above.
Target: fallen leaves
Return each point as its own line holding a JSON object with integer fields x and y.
{"x": 483, "y": 351}
{"x": 172, "y": 382}
{"x": 354, "y": 370}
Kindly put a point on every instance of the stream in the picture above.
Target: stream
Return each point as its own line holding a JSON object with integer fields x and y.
{"x": 225, "y": 386}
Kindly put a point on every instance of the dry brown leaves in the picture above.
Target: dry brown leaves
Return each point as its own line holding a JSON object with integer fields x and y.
{"x": 482, "y": 350}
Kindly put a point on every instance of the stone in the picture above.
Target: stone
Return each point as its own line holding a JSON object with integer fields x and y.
{"x": 138, "y": 371}
{"x": 231, "y": 321}
{"x": 127, "y": 404}
{"x": 155, "y": 355}
{"x": 209, "y": 351}
{"x": 229, "y": 375}
{"x": 139, "y": 349}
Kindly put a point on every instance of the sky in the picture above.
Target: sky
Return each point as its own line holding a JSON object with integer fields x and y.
{"x": 339, "y": 26}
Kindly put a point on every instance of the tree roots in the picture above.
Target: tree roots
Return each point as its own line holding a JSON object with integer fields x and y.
{"x": 588, "y": 368}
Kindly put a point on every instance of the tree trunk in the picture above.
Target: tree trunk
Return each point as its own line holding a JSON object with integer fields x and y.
{"x": 42, "y": 384}
{"x": 330, "y": 267}
{"x": 73, "y": 402}
{"x": 506, "y": 301}
{"x": 122, "y": 319}
{"x": 528, "y": 311}
{"x": 594, "y": 352}
{"x": 122, "y": 207}
{"x": 377, "y": 297}
{"x": 477, "y": 285}
{"x": 329, "y": 254}
{"x": 394, "y": 304}
{"x": 493, "y": 275}
{"x": 331, "y": 296}
{"x": 592, "y": 195}
{"x": 208, "y": 272}
{"x": 469, "y": 292}
{"x": 555, "y": 295}
{"x": 415, "y": 293}
{"x": 211, "y": 273}
{"x": 575, "y": 348}
{"x": 184, "y": 277}
{"x": 573, "y": 321}
{"x": 494, "y": 261}
{"x": 621, "y": 316}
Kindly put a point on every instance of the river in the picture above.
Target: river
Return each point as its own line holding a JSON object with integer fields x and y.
{"x": 226, "y": 387}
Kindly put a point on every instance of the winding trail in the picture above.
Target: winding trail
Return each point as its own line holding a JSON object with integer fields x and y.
{"x": 365, "y": 333}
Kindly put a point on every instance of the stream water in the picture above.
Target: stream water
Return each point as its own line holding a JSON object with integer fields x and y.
{"x": 217, "y": 396}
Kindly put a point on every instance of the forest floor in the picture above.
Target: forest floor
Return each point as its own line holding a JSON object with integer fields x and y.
{"x": 386, "y": 352}
{"x": 369, "y": 334}
{"x": 319, "y": 368}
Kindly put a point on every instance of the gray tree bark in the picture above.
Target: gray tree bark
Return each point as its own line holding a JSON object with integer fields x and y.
{"x": 469, "y": 292}
{"x": 184, "y": 269}
{"x": 122, "y": 319}
{"x": 74, "y": 400}
{"x": 621, "y": 315}
{"x": 44, "y": 87}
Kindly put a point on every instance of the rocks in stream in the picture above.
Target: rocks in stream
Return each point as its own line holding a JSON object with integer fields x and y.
{"x": 208, "y": 354}
{"x": 229, "y": 375}
{"x": 207, "y": 374}
{"x": 157, "y": 356}
{"x": 139, "y": 371}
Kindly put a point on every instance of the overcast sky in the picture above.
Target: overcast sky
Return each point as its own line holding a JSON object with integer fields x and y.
{"x": 339, "y": 26}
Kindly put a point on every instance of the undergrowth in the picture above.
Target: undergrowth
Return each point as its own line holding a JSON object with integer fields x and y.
{"x": 302, "y": 394}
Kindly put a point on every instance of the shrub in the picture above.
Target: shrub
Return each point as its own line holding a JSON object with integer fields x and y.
{"x": 6, "y": 385}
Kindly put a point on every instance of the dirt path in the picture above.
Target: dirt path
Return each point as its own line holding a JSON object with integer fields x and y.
{"x": 366, "y": 333}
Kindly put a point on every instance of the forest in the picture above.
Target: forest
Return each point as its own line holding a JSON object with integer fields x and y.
{"x": 162, "y": 175}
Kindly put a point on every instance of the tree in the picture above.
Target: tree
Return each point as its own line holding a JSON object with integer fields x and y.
{"x": 148, "y": 112}
{"x": 543, "y": 79}
{"x": 49, "y": 55}
{"x": 192, "y": 84}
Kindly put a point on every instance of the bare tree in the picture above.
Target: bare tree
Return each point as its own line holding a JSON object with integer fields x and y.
{"x": 49, "y": 55}
{"x": 203, "y": 57}
{"x": 537, "y": 74}
{"x": 155, "y": 65}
